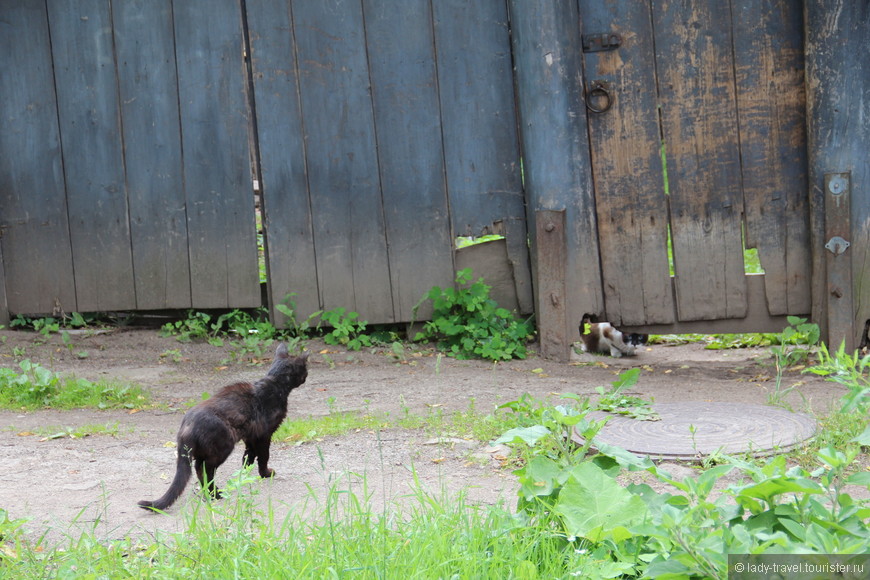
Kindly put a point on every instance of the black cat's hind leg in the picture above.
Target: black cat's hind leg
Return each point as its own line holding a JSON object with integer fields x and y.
{"x": 205, "y": 471}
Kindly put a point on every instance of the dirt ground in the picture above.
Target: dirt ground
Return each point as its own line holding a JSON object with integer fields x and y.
{"x": 63, "y": 485}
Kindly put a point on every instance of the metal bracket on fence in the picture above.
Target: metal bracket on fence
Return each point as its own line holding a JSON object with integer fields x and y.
{"x": 837, "y": 245}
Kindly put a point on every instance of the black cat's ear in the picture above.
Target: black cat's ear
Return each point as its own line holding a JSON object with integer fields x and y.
{"x": 281, "y": 351}
{"x": 304, "y": 356}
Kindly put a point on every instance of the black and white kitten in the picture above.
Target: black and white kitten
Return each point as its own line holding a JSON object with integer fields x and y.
{"x": 604, "y": 338}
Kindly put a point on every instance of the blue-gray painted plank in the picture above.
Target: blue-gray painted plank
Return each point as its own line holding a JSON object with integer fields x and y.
{"x": 481, "y": 144}
{"x": 838, "y": 97}
{"x": 217, "y": 173}
{"x": 410, "y": 157}
{"x": 34, "y": 231}
{"x": 289, "y": 238}
{"x": 347, "y": 210}
{"x": 89, "y": 120}
{"x": 148, "y": 88}
{"x": 558, "y": 175}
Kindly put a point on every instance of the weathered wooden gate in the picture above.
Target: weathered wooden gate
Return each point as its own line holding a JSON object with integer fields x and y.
{"x": 131, "y": 132}
{"x": 695, "y": 113}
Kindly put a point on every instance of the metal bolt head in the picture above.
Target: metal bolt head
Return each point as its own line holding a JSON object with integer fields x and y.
{"x": 837, "y": 185}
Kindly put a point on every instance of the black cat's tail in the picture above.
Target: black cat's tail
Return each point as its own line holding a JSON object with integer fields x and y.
{"x": 179, "y": 482}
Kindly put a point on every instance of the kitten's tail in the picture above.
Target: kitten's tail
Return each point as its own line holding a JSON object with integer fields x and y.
{"x": 182, "y": 475}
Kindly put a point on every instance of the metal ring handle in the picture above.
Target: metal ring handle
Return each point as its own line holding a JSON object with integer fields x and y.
{"x": 598, "y": 88}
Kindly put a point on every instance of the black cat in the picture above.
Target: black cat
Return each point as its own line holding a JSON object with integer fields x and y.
{"x": 239, "y": 412}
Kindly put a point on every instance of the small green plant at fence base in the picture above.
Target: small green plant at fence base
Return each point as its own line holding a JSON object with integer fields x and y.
{"x": 468, "y": 323}
{"x": 345, "y": 329}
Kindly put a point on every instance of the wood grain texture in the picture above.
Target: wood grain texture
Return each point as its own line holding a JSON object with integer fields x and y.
{"x": 558, "y": 175}
{"x": 769, "y": 62}
{"x": 837, "y": 49}
{"x": 626, "y": 162}
{"x": 287, "y": 220}
{"x": 347, "y": 210}
{"x": 148, "y": 88}
{"x": 475, "y": 82}
{"x": 218, "y": 184}
{"x": 89, "y": 121}
{"x": 407, "y": 115}
{"x": 34, "y": 231}
{"x": 699, "y": 118}
{"x": 555, "y": 331}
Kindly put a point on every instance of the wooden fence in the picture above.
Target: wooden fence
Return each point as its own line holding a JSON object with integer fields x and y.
{"x": 659, "y": 141}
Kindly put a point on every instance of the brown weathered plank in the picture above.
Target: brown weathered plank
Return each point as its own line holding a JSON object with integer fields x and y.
{"x": 400, "y": 44}
{"x": 758, "y": 319}
{"x": 34, "y": 231}
{"x": 626, "y": 162}
{"x": 837, "y": 49}
{"x": 286, "y": 210}
{"x": 547, "y": 54}
{"x": 554, "y": 330}
{"x": 838, "y": 259}
{"x": 769, "y": 61}
{"x": 93, "y": 163}
{"x": 699, "y": 118}
{"x": 148, "y": 88}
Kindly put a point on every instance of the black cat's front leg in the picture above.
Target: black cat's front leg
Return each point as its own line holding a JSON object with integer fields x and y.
{"x": 249, "y": 456}
{"x": 262, "y": 454}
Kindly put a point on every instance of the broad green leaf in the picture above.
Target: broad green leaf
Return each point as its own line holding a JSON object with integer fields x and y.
{"x": 530, "y": 435}
{"x": 594, "y": 506}
{"x": 539, "y": 478}
{"x": 863, "y": 438}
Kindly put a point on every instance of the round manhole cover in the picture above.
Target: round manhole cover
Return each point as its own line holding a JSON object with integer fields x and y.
{"x": 689, "y": 430}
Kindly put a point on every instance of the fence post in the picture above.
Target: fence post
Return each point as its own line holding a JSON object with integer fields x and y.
{"x": 837, "y": 50}
{"x": 556, "y": 163}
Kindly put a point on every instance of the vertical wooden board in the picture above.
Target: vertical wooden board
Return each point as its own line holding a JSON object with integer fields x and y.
{"x": 475, "y": 81}
{"x": 289, "y": 238}
{"x": 769, "y": 61}
{"x": 838, "y": 260}
{"x": 547, "y": 55}
{"x": 4, "y": 305}
{"x": 341, "y": 152}
{"x": 148, "y": 87}
{"x": 554, "y": 324}
{"x": 216, "y": 160}
{"x": 626, "y": 162}
{"x": 837, "y": 49}
{"x": 699, "y": 118}
{"x": 410, "y": 156}
{"x": 89, "y": 120}
{"x": 34, "y": 231}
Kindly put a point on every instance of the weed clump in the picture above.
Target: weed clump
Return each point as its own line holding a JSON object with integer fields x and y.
{"x": 468, "y": 323}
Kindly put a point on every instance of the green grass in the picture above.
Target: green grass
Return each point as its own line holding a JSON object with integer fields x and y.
{"x": 38, "y": 387}
{"x": 466, "y": 424}
{"x": 340, "y": 534}
{"x": 78, "y": 432}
